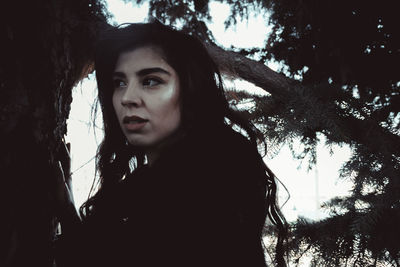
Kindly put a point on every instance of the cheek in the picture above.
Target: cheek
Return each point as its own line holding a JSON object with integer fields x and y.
{"x": 169, "y": 104}
{"x": 175, "y": 116}
{"x": 169, "y": 114}
{"x": 169, "y": 97}
{"x": 175, "y": 107}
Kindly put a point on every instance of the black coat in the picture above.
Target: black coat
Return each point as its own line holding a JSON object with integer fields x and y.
{"x": 202, "y": 203}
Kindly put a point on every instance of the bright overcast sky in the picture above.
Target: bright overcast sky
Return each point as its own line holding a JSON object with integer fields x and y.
{"x": 307, "y": 189}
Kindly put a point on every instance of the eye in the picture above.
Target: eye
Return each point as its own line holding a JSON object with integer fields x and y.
{"x": 118, "y": 83}
{"x": 151, "y": 82}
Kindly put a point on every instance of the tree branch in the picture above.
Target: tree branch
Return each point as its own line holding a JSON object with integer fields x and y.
{"x": 236, "y": 65}
{"x": 287, "y": 90}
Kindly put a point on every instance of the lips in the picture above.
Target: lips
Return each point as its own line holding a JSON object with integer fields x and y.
{"x": 134, "y": 123}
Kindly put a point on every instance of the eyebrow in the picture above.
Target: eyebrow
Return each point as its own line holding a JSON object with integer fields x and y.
{"x": 142, "y": 72}
{"x": 118, "y": 74}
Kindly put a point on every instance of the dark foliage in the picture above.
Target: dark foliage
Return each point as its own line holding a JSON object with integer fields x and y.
{"x": 350, "y": 50}
{"x": 344, "y": 56}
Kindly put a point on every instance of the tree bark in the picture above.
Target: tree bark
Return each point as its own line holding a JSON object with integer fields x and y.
{"x": 236, "y": 65}
{"x": 46, "y": 48}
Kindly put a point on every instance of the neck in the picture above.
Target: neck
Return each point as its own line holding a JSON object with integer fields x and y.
{"x": 154, "y": 152}
{"x": 152, "y": 156}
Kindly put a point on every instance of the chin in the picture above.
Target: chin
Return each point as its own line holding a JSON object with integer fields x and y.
{"x": 136, "y": 143}
{"x": 139, "y": 143}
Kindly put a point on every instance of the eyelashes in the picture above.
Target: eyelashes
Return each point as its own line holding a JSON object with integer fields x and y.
{"x": 151, "y": 82}
{"x": 147, "y": 82}
{"x": 118, "y": 83}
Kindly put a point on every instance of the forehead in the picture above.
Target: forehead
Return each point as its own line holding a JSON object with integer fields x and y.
{"x": 141, "y": 57}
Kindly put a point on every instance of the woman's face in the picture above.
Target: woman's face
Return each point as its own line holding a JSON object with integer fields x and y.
{"x": 146, "y": 97}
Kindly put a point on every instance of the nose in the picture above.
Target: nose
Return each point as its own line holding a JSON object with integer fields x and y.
{"x": 131, "y": 97}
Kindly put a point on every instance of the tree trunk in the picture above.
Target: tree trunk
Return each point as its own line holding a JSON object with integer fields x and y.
{"x": 46, "y": 48}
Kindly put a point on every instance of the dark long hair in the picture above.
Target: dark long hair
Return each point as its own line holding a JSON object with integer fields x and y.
{"x": 202, "y": 98}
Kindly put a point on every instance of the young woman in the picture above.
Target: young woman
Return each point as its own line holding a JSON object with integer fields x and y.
{"x": 178, "y": 186}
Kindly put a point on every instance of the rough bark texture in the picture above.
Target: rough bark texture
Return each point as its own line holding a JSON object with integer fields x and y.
{"x": 237, "y": 65}
{"x": 47, "y": 46}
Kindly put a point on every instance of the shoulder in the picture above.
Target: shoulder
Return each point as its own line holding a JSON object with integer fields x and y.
{"x": 219, "y": 141}
{"x": 213, "y": 155}
{"x": 236, "y": 150}
{"x": 225, "y": 157}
